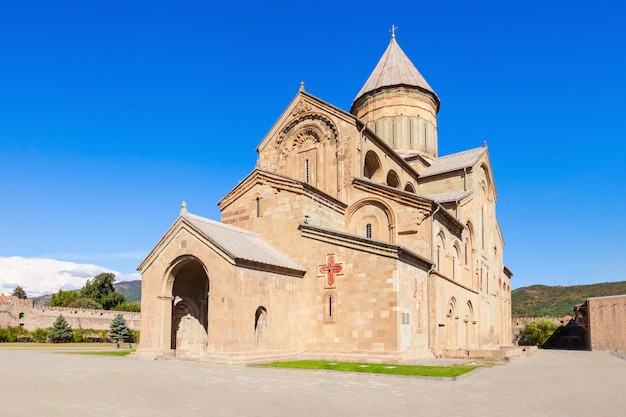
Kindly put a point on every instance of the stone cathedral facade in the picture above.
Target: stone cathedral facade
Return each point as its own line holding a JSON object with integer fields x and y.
{"x": 351, "y": 238}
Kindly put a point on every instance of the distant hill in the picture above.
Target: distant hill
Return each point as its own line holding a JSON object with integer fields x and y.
{"x": 543, "y": 300}
{"x": 130, "y": 289}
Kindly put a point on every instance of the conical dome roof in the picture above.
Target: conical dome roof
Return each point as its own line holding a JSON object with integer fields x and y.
{"x": 394, "y": 68}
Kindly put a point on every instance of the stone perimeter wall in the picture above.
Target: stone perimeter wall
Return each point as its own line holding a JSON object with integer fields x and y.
{"x": 24, "y": 313}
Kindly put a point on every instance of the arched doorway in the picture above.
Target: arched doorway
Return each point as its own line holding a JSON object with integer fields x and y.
{"x": 189, "y": 331}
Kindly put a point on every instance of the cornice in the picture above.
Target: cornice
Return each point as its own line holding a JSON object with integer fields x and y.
{"x": 402, "y": 197}
{"x": 363, "y": 244}
{"x": 283, "y": 183}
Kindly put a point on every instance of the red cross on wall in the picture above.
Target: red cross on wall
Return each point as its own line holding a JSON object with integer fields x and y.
{"x": 330, "y": 269}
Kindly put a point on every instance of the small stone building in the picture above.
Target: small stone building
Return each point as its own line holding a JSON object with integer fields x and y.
{"x": 604, "y": 322}
{"x": 351, "y": 238}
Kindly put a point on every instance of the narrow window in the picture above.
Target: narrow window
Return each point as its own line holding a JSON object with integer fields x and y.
{"x": 406, "y": 318}
{"x": 454, "y": 267}
{"x": 258, "y": 207}
{"x": 482, "y": 226}
{"x": 465, "y": 252}
{"x": 330, "y": 306}
{"x": 438, "y": 256}
{"x": 368, "y": 230}
{"x": 306, "y": 170}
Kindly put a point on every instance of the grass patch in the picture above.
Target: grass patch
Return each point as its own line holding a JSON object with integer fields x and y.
{"x": 376, "y": 368}
{"x": 103, "y": 353}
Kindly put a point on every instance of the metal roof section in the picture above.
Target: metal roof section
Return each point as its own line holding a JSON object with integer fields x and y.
{"x": 394, "y": 68}
{"x": 240, "y": 243}
{"x": 456, "y": 161}
{"x": 449, "y": 197}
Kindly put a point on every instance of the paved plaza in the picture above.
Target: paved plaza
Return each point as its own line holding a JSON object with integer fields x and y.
{"x": 553, "y": 383}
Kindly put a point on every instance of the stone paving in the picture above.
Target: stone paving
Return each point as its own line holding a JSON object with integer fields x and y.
{"x": 553, "y": 383}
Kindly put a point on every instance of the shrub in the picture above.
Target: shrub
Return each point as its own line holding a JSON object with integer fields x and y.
{"x": 135, "y": 335}
{"x": 537, "y": 332}
{"x": 41, "y": 335}
{"x": 14, "y": 334}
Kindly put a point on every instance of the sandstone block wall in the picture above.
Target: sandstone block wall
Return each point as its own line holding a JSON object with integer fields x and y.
{"x": 16, "y": 312}
{"x": 607, "y": 323}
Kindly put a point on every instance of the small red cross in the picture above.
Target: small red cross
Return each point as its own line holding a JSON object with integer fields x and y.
{"x": 330, "y": 269}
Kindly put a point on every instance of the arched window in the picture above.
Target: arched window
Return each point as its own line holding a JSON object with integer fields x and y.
{"x": 260, "y": 326}
{"x": 439, "y": 250}
{"x": 469, "y": 316}
{"x": 455, "y": 261}
{"x": 372, "y": 168}
{"x": 258, "y": 207}
{"x": 451, "y": 308}
{"x": 409, "y": 188}
{"x": 393, "y": 180}
{"x": 368, "y": 230}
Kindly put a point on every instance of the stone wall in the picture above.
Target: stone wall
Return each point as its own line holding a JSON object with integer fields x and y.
{"x": 607, "y": 323}
{"x": 16, "y": 312}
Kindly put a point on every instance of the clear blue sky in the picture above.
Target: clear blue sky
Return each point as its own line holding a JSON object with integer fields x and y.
{"x": 112, "y": 113}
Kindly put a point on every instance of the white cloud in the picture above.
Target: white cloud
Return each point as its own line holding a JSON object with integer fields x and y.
{"x": 40, "y": 276}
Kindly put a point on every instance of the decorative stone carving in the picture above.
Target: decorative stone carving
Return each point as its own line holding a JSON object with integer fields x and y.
{"x": 301, "y": 107}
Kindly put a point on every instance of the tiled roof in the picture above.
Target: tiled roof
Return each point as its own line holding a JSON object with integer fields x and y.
{"x": 454, "y": 162}
{"x": 394, "y": 68}
{"x": 240, "y": 243}
{"x": 449, "y": 197}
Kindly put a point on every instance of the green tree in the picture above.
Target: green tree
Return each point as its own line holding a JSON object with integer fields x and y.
{"x": 101, "y": 290}
{"x": 84, "y": 303}
{"x": 132, "y": 307}
{"x": 19, "y": 293}
{"x": 119, "y": 331}
{"x": 63, "y": 298}
{"x": 61, "y": 331}
{"x": 537, "y": 332}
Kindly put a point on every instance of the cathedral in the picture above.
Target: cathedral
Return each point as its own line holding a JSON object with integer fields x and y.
{"x": 350, "y": 239}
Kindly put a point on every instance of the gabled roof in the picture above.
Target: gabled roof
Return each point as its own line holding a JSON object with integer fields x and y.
{"x": 449, "y": 197}
{"x": 301, "y": 98}
{"x": 394, "y": 68}
{"x": 240, "y": 244}
{"x": 456, "y": 161}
